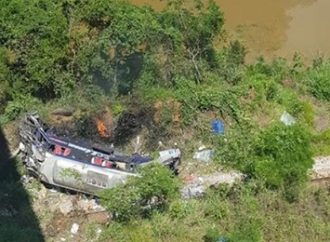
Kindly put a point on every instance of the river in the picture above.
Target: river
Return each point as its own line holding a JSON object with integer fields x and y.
{"x": 275, "y": 27}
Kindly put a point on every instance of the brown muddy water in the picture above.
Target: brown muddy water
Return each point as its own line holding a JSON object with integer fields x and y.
{"x": 275, "y": 27}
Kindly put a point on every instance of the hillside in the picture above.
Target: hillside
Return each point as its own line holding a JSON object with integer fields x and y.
{"x": 118, "y": 72}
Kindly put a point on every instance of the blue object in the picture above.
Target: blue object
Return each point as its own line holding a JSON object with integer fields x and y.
{"x": 218, "y": 127}
{"x": 222, "y": 239}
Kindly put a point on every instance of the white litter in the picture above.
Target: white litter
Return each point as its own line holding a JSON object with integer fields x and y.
{"x": 287, "y": 119}
{"x": 74, "y": 228}
{"x": 203, "y": 154}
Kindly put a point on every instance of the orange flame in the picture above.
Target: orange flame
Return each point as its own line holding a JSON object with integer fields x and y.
{"x": 101, "y": 128}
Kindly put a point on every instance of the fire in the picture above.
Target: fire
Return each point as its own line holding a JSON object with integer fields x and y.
{"x": 102, "y": 129}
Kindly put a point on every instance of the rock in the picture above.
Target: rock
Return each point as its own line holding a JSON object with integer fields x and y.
{"x": 197, "y": 186}
{"x": 66, "y": 207}
{"x": 321, "y": 168}
{"x": 84, "y": 205}
{"x": 87, "y": 205}
{"x": 74, "y": 228}
{"x": 222, "y": 177}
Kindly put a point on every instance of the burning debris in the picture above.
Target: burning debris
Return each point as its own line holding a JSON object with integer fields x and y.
{"x": 60, "y": 162}
{"x": 102, "y": 129}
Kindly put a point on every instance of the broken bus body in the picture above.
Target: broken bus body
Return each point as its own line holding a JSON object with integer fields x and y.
{"x": 57, "y": 161}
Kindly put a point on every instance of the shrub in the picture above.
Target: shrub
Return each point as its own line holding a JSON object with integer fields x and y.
{"x": 248, "y": 230}
{"x": 318, "y": 80}
{"x": 279, "y": 155}
{"x": 207, "y": 97}
{"x": 283, "y": 157}
{"x": 237, "y": 147}
{"x": 20, "y": 104}
{"x": 152, "y": 189}
{"x": 291, "y": 102}
{"x": 263, "y": 87}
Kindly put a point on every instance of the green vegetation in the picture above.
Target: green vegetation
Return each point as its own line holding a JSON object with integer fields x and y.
{"x": 94, "y": 55}
{"x": 280, "y": 156}
{"x": 241, "y": 213}
{"x": 140, "y": 195}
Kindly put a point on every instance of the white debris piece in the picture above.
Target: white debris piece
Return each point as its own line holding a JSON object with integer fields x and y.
{"x": 66, "y": 206}
{"x": 74, "y": 228}
{"x": 222, "y": 177}
{"x": 287, "y": 119}
{"x": 89, "y": 205}
{"x": 192, "y": 191}
{"x": 166, "y": 155}
{"x": 321, "y": 168}
{"x": 98, "y": 232}
{"x": 203, "y": 154}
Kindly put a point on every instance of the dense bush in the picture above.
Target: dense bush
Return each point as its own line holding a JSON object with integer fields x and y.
{"x": 318, "y": 79}
{"x": 20, "y": 103}
{"x": 283, "y": 157}
{"x": 152, "y": 190}
{"x": 279, "y": 155}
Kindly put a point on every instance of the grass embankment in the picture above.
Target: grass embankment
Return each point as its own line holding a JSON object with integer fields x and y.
{"x": 161, "y": 76}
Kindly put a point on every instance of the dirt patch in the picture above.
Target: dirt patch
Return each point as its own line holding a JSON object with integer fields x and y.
{"x": 57, "y": 212}
{"x": 322, "y": 116}
{"x": 169, "y": 110}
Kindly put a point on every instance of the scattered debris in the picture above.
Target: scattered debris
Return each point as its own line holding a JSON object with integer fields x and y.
{"x": 198, "y": 185}
{"x": 287, "y": 119}
{"x": 89, "y": 205}
{"x": 66, "y": 207}
{"x": 203, "y": 154}
{"x": 194, "y": 190}
{"x": 74, "y": 228}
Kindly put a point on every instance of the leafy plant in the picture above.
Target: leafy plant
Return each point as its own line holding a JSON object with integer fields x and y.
{"x": 318, "y": 80}
{"x": 283, "y": 157}
{"x": 153, "y": 189}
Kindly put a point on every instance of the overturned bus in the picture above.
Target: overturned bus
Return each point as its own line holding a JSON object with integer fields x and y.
{"x": 60, "y": 162}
